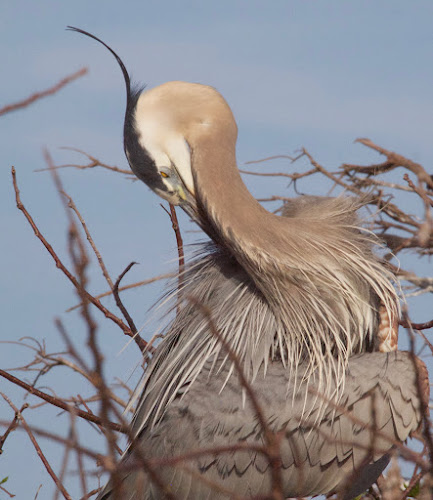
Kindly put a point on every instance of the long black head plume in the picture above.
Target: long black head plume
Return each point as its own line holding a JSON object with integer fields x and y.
{"x": 119, "y": 61}
{"x": 139, "y": 160}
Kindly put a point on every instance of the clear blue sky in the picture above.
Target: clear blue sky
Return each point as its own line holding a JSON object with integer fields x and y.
{"x": 296, "y": 73}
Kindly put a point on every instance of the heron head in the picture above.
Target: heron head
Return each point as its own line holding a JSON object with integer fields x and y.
{"x": 166, "y": 126}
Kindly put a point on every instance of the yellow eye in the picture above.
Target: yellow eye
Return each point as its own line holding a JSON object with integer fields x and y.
{"x": 163, "y": 174}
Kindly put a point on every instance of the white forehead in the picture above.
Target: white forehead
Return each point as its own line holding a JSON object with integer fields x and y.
{"x": 163, "y": 142}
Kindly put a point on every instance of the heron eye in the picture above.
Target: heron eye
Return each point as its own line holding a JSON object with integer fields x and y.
{"x": 164, "y": 174}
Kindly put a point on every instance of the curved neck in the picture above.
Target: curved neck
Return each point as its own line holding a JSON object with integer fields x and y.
{"x": 239, "y": 220}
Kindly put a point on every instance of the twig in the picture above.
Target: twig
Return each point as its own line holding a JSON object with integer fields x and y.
{"x": 13, "y": 425}
{"x": 44, "y": 93}
{"x": 275, "y": 157}
{"x": 10, "y": 495}
{"x": 414, "y": 479}
{"x": 398, "y": 160}
{"x": 272, "y": 440}
{"x": 294, "y": 176}
{"x": 423, "y": 389}
{"x": 179, "y": 242}
{"x": 64, "y": 466}
{"x": 127, "y": 287}
{"x": 38, "y": 449}
{"x": 72, "y": 205}
{"x": 58, "y": 402}
{"x": 90, "y": 494}
{"x": 94, "y": 162}
{"x": 78, "y": 254}
{"x": 416, "y": 326}
{"x": 119, "y": 303}
{"x": 108, "y": 314}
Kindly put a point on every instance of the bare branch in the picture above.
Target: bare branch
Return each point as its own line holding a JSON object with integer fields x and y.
{"x": 39, "y": 95}
{"x": 93, "y": 162}
{"x": 57, "y": 402}
{"x": 38, "y": 449}
{"x": 108, "y": 314}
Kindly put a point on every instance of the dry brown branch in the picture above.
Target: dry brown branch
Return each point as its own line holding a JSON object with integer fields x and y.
{"x": 58, "y": 402}
{"x": 179, "y": 242}
{"x": 9, "y": 494}
{"x": 12, "y": 426}
{"x": 90, "y": 494}
{"x": 80, "y": 261}
{"x": 38, "y": 449}
{"x": 400, "y": 229}
{"x": 120, "y": 303}
{"x": 129, "y": 287}
{"x": 329, "y": 175}
{"x": 294, "y": 176}
{"x": 66, "y": 455}
{"x": 108, "y": 314}
{"x": 101, "y": 263}
{"x": 44, "y": 93}
{"x": 416, "y": 326}
{"x": 59, "y": 439}
{"x": 423, "y": 389}
{"x": 79, "y": 458}
{"x": 393, "y": 160}
{"x": 274, "y": 157}
{"x": 272, "y": 440}
{"x": 93, "y": 162}
{"x": 416, "y": 477}
{"x": 49, "y": 361}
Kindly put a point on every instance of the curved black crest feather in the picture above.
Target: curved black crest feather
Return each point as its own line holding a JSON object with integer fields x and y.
{"x": 139, "y": 160}
{"x": 119, "y": 61}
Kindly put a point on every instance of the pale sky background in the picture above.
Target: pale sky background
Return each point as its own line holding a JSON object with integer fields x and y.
{"x": 296, "y": 73}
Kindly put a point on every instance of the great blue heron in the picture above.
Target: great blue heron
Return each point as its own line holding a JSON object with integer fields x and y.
{"x": 300, "y": 301}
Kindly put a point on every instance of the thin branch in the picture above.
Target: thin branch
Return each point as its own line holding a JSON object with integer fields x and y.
{"x": 416, "y": 326}
{"x": 108, "y": 314}
{"x": 120, "y": 304}
{"x": 423, "y": 390}
{"x": 128, "y": 287}
{"x": 8, "y": 493}
{"x": 275, "y": 157}
{"x": 38, "y": 449}
{"x": 272, "y": 440}
{"x": 104, "y": 270}
{"x": 93, "y": 162}
{"x": 13, "y": 425}
{"x": 58, "y": 402}
{"x": 396, "y": 160}
{"x": 39, "y": 95}
{"x": 179, "y": 242}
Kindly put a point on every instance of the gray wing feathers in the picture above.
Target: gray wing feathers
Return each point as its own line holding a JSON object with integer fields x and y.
{"x": 320, "y": 448}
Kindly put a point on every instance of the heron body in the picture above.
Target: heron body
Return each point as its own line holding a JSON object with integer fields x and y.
{"x": 300, "y": 301}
